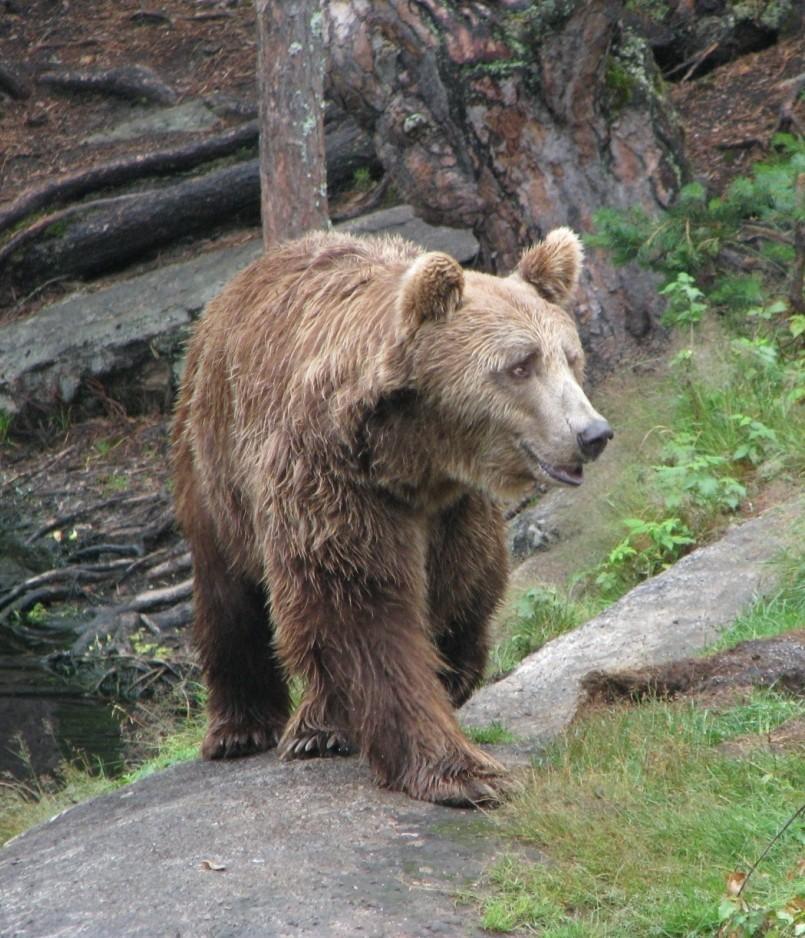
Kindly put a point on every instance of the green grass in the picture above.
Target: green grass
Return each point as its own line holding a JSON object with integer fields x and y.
{"x": 775, "y": 614}
{"x": 642, "y": 818}
{"x": 490, "y": 735}
{"x": 538, "y": 616}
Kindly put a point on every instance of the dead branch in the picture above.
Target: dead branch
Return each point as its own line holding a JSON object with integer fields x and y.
{"x": 124, "y": 171}
{"x": 73, "y": 573}
{"x": 44, "y": 595}
{"x": 122, "y": 619}
{"x": 146, "y": 561}
{"x": 133, "y": 82}
{"x": 694, "y": 60}
{"x": 38, "y": 470}
{"x": 95, "y": 550}
{"x": 85, "y": 510}
{"x": 168, "y": 567}
{"x": 165, "y": 596}
{"x": 176, "y": 617}
{"x": 150, "y": 17}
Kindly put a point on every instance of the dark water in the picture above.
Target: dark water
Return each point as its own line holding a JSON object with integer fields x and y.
{"x": 54, "y": 719}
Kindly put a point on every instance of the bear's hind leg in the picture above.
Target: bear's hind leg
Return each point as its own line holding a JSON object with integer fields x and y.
{"x": 248, "y": 701}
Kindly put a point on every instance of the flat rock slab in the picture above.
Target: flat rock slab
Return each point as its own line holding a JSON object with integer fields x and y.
{"x": 188, "y": 117}
{"x": 670, "y": 616}
{"x": 308, "y": 848}
{"x": 46, "y": 359}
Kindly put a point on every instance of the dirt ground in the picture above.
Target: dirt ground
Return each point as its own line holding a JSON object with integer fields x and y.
{"x": 200, "y": 49}
{"x": 730, "y": 115}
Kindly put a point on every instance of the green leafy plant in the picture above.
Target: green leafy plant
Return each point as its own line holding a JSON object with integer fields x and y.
{"x": 649, "y": 548}
{"x": 685, "y": 306}
{"x": 693, "y": 477}
{"x": 754, "y": 223}
{"x": 758, "y": 442}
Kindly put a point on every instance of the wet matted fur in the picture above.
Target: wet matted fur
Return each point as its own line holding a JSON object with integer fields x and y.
{"x": 350, "y": 413}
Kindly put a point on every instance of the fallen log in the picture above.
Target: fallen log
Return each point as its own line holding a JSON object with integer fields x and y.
{"x": 124, "y": 171}
{"x": 133, "y": 82}
{"x": 105, "y": 234}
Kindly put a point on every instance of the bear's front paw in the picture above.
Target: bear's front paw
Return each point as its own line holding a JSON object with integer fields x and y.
{"x": 464, "y": 783}
{"x": 306, "y": 743}
{"x": 229, "y": 740}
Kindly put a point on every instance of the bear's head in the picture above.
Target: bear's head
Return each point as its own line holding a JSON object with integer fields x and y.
{"x": 500, "y": 362}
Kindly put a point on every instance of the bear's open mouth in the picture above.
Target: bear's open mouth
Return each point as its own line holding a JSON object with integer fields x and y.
{"x": 567, "y": 475}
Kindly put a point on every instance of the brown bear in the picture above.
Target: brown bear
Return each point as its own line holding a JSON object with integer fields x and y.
{"x": 352, "y": 412}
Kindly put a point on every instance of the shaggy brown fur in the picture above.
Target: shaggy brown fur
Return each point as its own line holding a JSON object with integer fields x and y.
{"x": 349, "y": 410}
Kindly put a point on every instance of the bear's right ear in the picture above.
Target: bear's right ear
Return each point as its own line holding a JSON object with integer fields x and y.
{"x": 553, "y": 266}
{"x": 431, "y": 288}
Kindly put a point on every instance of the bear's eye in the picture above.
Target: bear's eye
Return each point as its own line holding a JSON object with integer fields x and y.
{"x": 524, "y": 368}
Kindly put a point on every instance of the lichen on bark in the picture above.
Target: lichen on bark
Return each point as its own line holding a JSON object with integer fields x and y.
{"x": 503, "y": 118}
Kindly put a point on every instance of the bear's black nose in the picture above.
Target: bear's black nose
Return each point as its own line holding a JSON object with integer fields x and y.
{"x": 593, "y": 438}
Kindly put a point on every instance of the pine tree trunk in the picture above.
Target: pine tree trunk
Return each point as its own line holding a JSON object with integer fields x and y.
{"x": 513, "y": 118}
{"x": 290, "y": 73}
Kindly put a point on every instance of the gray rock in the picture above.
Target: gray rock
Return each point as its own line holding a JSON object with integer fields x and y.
{"x": 141, "y": 323}
{"x": 530, "y": 531}
{"x": 315, "y": 848}
{"x": 307, "y": 848}
{"x": 45, "y": 358}
{"x": 400, "y": 220}
{"x": 188, "y": 117}
{"x": 669, "y": 616}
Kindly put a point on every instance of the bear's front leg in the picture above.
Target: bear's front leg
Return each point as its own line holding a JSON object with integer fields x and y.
{"x": 350, "y": 616}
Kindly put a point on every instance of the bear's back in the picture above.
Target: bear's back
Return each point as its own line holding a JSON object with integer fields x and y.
{"x": 309, "y": 320}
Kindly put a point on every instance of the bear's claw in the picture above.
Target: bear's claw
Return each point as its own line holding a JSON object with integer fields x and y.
{"x": 307, "y": 744}
{"x": 472, "y": 792}
{"x": 228, "y": 741}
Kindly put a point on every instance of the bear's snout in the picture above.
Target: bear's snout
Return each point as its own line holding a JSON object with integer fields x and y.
{"x": 593, "y": 438}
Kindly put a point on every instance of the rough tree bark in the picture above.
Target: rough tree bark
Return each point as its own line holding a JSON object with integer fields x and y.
{"x": 511, "y": 119}
{"x": 290, "y": 69}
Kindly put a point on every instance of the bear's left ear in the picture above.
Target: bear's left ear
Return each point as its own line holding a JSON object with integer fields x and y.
{"x": 431, "y": 288}
{"x": 553, "y": 266}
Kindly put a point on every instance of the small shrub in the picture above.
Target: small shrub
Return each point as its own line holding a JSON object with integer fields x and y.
{"x": 649, "y": 548}
{"x": 685, "y": 306}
